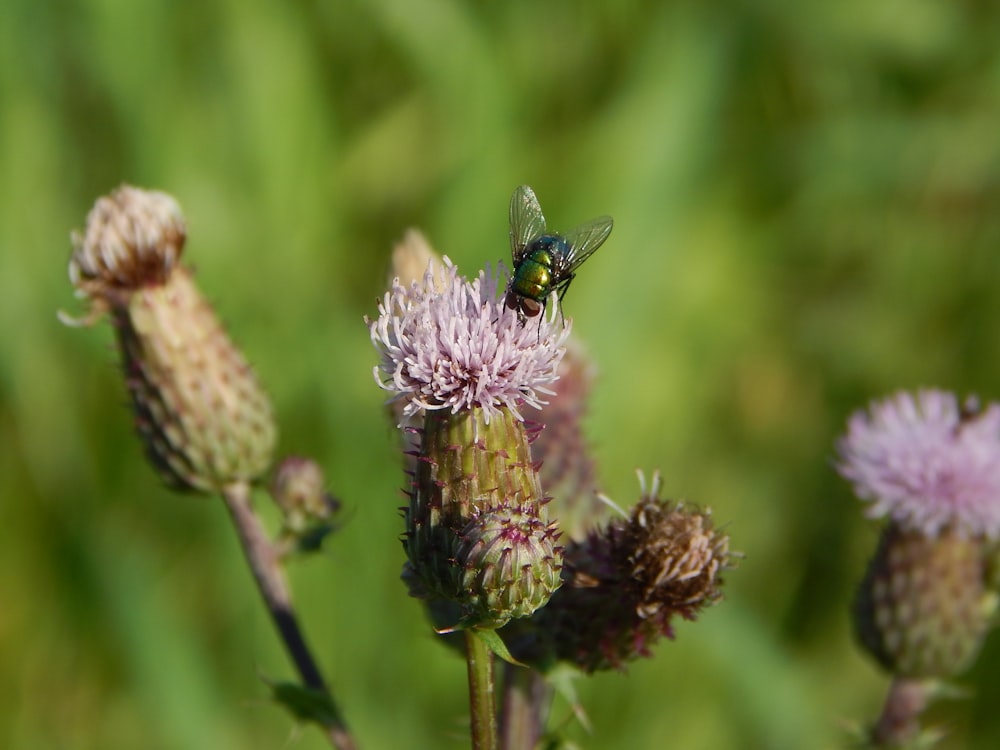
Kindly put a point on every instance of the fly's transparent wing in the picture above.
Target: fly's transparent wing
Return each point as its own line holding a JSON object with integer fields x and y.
{"x": 584, "y": 241}
{"x": 526, "y": 221}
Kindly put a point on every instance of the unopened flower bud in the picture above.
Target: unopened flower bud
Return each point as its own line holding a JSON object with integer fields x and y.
{"x": 412, "y": 257}
{"x": 203, "y": 417}
{"x": 510, "y": 564}
{"x": 298, "y": 487}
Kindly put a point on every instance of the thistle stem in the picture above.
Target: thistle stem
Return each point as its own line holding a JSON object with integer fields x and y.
{"x": 526, "y": 699}
{"x": 900, "y": 719}
{"x": 264, "y": 562}
{"x": 482, "y": 699}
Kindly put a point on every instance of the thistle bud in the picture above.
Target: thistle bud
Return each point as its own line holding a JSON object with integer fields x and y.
{"x": 298, "y": 488}
{"x": 200, "y": 412}
{"x": 922, "y": 609}
{"x": 412, "y": 257}
{"x": 510, "y": 564}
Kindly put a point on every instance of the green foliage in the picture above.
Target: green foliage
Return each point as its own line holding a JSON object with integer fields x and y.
{"x": 805, "y": 217}
{"x": 304, "y": 704}
{"x": 496, "y": 645}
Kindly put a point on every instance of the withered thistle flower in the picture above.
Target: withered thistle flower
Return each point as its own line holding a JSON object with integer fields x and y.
{"x": 200, "y": 412}
{"x": 477, "y": 530}
{"x": 933, "y": 470}
{"x": 624, "y": 584}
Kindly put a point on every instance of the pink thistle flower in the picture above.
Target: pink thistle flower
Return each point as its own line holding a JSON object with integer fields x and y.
{"x": 926, "y": 463}
{"x": 448, "y": 343}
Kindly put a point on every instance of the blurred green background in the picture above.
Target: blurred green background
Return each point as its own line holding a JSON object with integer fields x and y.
{"x": 806, "y": 206}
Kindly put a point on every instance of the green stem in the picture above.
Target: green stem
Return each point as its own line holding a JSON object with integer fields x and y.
{"x": 266, "y": 568}
{"x": 482, "y": 701}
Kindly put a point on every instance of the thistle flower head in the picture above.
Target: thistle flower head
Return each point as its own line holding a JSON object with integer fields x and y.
{"x": 926, "y": 463}
{"x": 448, "y": 343}
{"x": 133, "y": 238}
{"x": 477, "y": 533}
{"x": 199, "y": 409}
{"x": 625, "y": 583}
{"x": 677, "y": 555}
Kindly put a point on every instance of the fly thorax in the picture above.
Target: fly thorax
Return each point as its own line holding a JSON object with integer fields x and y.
{"x": 545, "y": 249}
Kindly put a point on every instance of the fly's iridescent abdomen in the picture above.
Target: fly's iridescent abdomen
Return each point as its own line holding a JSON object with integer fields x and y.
{"x": 533, "y": 277}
